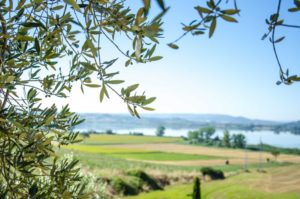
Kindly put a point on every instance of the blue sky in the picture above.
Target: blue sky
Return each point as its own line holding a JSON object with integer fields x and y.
{"x": 233, "y": 73}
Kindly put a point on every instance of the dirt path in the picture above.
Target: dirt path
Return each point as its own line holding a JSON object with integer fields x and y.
{"x": 234, "y": 156}
{"x": 279, "y": 180}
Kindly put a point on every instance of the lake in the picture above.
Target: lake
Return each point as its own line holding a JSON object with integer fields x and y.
{"x": 284, "y": 139}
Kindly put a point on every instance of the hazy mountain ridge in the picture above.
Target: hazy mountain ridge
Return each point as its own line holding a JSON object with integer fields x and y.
{"x": 215, "y": 118}
{"x": 293, "y": 127}
{"x": 94, "y": 121}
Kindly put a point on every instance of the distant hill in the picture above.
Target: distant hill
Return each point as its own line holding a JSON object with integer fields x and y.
{"x": 175, "y": 121}
{"x": 214, "y": 118}
{"x": 293, "y": 127}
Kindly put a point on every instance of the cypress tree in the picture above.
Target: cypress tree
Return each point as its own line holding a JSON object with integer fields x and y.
{"x": 197, "y": 189}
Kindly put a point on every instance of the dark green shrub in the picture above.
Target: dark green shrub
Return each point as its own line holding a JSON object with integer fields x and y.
{"x": 123, "y": 188}
{"x": 197, "y": 189}
{"x": 212, "y": 173}
{"x": 109, "y": 132}
{"x": 137, "y": 134}
{"x": 160, "y": 131}
{"x": 145, "y": 178}
{"x": 85, "y": 135}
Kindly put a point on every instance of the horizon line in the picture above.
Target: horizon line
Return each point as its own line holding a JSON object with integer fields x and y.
{"x": 186, "y": 113}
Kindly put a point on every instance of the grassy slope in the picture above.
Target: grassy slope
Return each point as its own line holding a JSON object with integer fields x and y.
{"x": 127, "y": 139}
{"x": 101, "y": 149}
{"x": 232, "y": 192}
{"x": 106, "y": 162}
{"x": 244, "y": 186}
{"x": 95, "y": 153}
{"x": 162, "y": 156}
{"x": 139, "y": 154}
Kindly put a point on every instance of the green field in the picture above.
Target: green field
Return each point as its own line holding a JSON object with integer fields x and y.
{"x": 98, "y": 153}
{"x": 251, "y": 185}
{"x": 103, "y": 163}
{"x": 112, "y": 156}
{"x": 234, "y": 191}
{"x": 101, "y": 139}
{"x": 163, "y": 156}
{"x": 138, "y": 154}
{"x": 101, "y": 149}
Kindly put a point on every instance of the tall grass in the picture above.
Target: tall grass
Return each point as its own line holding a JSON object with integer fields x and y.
{"x": 102, "y": 139}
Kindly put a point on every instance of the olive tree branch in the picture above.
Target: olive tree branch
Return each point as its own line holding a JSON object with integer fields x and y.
{"x": 274, "y": 43}
{"x": 198, "y": 24}
{"x": 290, "y": 26}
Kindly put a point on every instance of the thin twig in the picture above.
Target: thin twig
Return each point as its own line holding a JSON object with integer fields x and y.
{"x": 273, "y": 40}
{"x": 196, "y": 25}
{"x": 290, "y": 26}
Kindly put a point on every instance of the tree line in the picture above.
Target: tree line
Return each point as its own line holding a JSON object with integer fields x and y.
{"x": 206, "y": 135}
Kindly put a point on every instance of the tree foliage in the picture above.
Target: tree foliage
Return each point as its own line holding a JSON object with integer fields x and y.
{"x": 274, "y": 22}
{"x": 211, "y": 11}
{"x": 207, "y": 132}
{"x": 48, "y": 47}
{"x": 212, "y": 173}
{"x": 275, "y": 153}
{"x": 196, "y": 189}
{"x": 201, "y": 135}
{"x": 238, "y": 141}
{"x": 205, "y": 136}
{"x": 160, "y": 131}
{"x": 45, "y": 48}
{"x": 226, "y": 139}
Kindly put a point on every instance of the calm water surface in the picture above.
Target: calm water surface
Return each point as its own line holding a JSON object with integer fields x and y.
{"x": 284, "y": 139}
